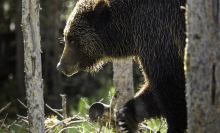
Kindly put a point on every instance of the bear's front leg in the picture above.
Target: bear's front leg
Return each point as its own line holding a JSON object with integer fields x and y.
{"x": 136, "y": 110}
{"x": 126, "y": 120}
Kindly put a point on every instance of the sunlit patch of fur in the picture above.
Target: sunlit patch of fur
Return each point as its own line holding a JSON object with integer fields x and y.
{"x": 79, "y": 10}
{"x": 95, "y": 67}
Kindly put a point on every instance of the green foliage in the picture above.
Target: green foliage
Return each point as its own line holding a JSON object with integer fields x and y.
{"x": 82, "y": 108}
{"x": 157, "y": 125}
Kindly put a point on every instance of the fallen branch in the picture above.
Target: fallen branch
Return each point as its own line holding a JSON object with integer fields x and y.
{"x": 6, "y": 128}
{"x": 54, "y": 110}
{"x": 71, "y": 120}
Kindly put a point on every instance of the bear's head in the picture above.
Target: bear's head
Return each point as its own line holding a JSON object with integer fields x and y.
{"x": 83, "y": 50}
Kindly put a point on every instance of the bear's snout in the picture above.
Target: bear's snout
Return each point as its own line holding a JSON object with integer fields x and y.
{"x": 60, "y": 67}
{"x": 66, "y": 69}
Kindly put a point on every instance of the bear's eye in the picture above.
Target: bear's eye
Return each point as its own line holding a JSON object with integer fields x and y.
{"x": 71, "y": 43}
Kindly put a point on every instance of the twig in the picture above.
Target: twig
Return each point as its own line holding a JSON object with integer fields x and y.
{"x": 114, "y": 100}
{"x": 4, "y": 120}
{"x": 26, "y": 129}
{"x": 101, "y": 100}
{"x": 54, "y": 110}
{"x": 87, "y": 106}
{"x": 90, "y": 124}
{"x": 4, "y": 108}
{"x": 58, "y": 110}
{"x": 73, "y": 128}
{"x": 64, "y": 106}
{"x": 149, "y": 130}
{"x": 100, "y": 129}
{"x": 21, "y": 127}
{"x": 12, "y": 124}
{"x": 63, "y": 121}
{"x": 23, "y": 117}
{"x": 69, "y": 128}
{"x": 25, "y": 121}
{"x": 78, "y": 121}
{"x": 6, "y": 129}
{"x": 51, "y": 127}
{"x": 22, "y": 103}
{"x": 162, "y": 123}
{"x": 83, "y": 128}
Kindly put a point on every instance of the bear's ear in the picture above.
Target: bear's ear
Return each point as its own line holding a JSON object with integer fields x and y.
{"x": 101, "y": 9}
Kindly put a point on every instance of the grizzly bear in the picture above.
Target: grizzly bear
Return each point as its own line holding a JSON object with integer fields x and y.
{"x": 153, "y": 31}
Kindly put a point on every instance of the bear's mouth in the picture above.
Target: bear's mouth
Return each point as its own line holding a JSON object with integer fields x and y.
{"x": 69, "y": 75}
{"x": 68, "y": 70}
{"x": 71, "y": 70}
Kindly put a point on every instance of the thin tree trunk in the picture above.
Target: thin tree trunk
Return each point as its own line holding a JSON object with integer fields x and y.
{"x": 33, "y": 69}
{"x": 202, "y": 66}
{"x": 123, "y": 80}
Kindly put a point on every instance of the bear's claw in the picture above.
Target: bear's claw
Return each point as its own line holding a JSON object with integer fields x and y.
{"x": 126, "y": 121}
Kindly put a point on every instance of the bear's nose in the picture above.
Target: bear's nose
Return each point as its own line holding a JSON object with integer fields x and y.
{"x": 60, "y": 67}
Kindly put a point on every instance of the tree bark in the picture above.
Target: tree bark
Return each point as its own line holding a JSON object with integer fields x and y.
{"x": 202, "y": 66}
{"x": 33, "y": 70}
{"x": 123, "y": 80}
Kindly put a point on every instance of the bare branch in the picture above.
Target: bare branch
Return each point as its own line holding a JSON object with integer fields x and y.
{"x": 4, "y": 108}
{"x": 114, "y": 100}
{"x": 25, "y": 121}
{"x": 76, "y": 118}
{"x": 87, "y": 106}
{"x": 21, "y": 117}
{"x": 58, "y": 110}
{"x": 54, "y": 110}
{"x": 51, "y": 127}
{"x": 145, "y": 127}
{"x": 69, "y": 128}
{"x": 64, "y": 106}
{"x": 90, "y": 124}
{"x": 74, "y": 128}
{"x": 22, "y": 103}
{"x": 21, "y": 127}
{"x": 101, "y": 100}
{"x": 74, "y": 122}
{"x": 26, "y": 129}
{"x": 12, "y": 124}
{"x": 6, "y": 128}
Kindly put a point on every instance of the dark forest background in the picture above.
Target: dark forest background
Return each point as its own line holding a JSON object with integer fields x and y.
{"x": 53, "y": 18}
